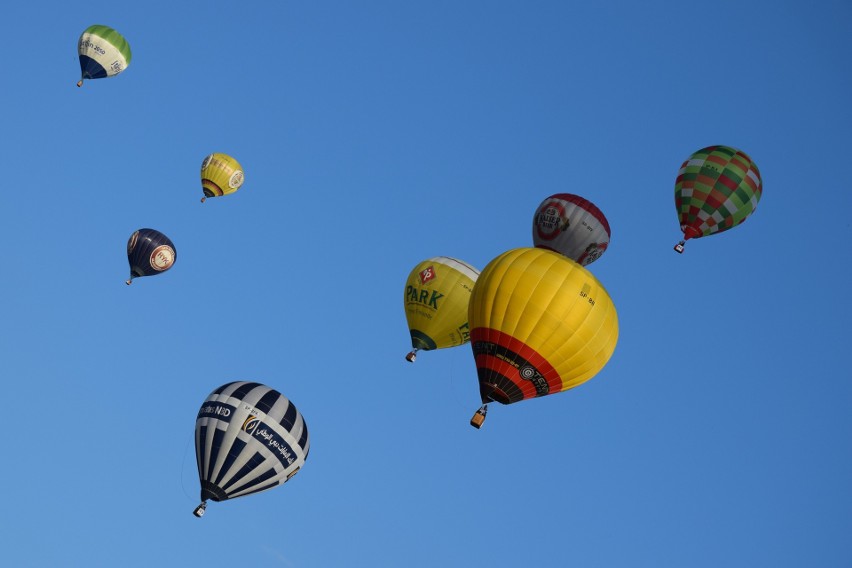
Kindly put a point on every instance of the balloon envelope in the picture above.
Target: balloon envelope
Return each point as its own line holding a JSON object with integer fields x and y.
{"x": 540, "y": 324}
{"x": 571, "y": 225}
{"x": 436, "y": 297}
{"x": 103, "y": 53}
{"x": 149, "y": 252}
{"x": 220, "y": 175}
{"x": 248, "y": 438}
{"x": 716, "y": 189}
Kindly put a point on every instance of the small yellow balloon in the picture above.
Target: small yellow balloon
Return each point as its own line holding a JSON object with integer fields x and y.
{"x": 436, "y": 297}
{"x": 540, "y": 324}
{"x": 220, "y": 175}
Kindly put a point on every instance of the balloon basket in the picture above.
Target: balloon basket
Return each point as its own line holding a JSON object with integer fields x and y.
{"x": 679, "y": 247}
{"x": 479, "y": 417}
{"x": 199, "y": 511}
{"x": 411, "y": 357}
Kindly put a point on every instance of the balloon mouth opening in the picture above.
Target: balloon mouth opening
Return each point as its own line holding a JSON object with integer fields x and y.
{"x": 210, "y": 189}
{"x": 212, "y": 492}
{"x": 690, "y": 233}
{"x": 491, "y": 392}
{"x": 421, "y": 341}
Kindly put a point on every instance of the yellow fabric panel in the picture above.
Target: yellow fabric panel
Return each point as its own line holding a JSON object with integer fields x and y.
{"x": 553, "y": 305}
{"x": 437, "y": 293}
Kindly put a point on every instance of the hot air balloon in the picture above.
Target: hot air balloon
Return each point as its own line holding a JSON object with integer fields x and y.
{"x": 717, "y": 188}
{"x": 436, "y": 296}
{"x": 248, "y": 438}
{"x": 149, "y": 252}
{"x": 572, "y": 226}
{"x": 220, "y": 175}
{"x": 103, "y": 53}
{"x": 540, "y": 324}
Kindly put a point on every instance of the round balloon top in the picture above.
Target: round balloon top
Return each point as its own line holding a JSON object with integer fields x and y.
{"x": 149, "y": 252}
{"x": 248, "y": 438}
{"x": 103, "y": 53}
{"x": 716, "y": 189}
{"x": 220, "y": 175}
{"x": 572, "y": 226}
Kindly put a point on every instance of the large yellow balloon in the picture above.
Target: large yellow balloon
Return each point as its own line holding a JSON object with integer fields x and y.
{"x": 220, "y": 175}
{"x": 436, "y": 297}
{"x": 540, "y": 324}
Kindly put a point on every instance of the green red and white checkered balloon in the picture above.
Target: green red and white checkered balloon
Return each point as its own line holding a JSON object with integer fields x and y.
{"x": 717, "y": 188}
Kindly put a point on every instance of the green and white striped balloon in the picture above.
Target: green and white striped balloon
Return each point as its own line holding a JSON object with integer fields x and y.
{"x": 103, "y": 53}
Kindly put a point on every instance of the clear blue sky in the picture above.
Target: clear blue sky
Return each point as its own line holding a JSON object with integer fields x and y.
{"x": 374, "y": 135}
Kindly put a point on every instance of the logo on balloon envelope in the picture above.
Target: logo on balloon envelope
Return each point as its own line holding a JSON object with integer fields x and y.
{"x": 131, "y": 243}
{"x": 264, "y": 434}
{"x": 236, "y": 180}
{"x": 427, "y": 274}
{"x": 251, "y": 423}
{"x": 218, "y": 410}
{"x": 551, "y": 220}
{"x": 530, "y": 373}
{"x": 86, "y": 43}
{"x": 162, "y": 258}
{"x": 592, "y": 253}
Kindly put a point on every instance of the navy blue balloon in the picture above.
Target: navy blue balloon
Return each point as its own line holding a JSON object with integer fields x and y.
{"x": 149, "y": 252}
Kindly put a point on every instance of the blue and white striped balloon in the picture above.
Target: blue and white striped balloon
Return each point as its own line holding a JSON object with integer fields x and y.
{"x": 248, "y": 438}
